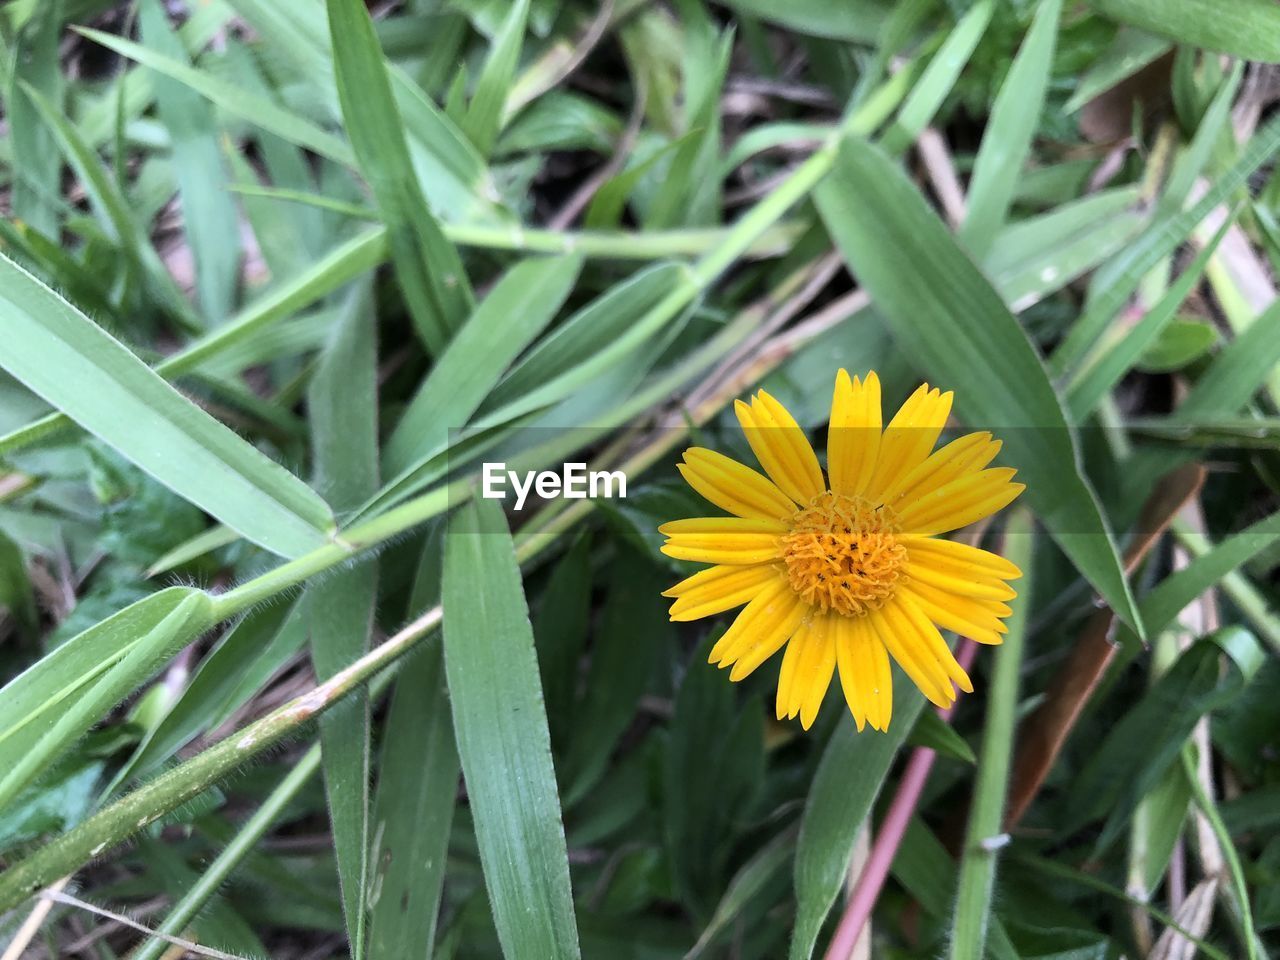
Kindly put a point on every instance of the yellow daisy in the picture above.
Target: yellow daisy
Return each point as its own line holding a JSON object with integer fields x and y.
{"x": 847, "y": 570}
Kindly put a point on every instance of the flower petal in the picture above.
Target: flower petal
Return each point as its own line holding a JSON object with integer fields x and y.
{"x": 719, "y": 588}
{"x": 976, "y": 619}
{"x": 959, "y": 559}
{"x": 781, "y": 447}
{"x": 764, "y": 625}
{"x": 734, "y": 486}
{"x": 807, "y": 667}
{"x": 961, "y": 502}
{"x": 915, "y": 643}
{"x": 967, "y": 454}
{"x": 909, "y": 438}
{"x": 864, "y": 671}
{"x": 980, "y": 588}
{"x": 731, "y": 540}
{"x": 853, "y": 438}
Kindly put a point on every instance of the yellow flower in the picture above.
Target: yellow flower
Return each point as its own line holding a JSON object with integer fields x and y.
{"x": 847, "y": 572}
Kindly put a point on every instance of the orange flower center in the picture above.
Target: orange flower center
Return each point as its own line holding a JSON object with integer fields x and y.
{"x": 842, "y": 555}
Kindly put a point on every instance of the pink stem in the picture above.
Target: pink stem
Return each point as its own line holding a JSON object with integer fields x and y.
{"x": 867, "y": 890}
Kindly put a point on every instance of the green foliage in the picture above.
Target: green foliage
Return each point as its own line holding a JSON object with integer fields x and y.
{"x": 276, "y": 278}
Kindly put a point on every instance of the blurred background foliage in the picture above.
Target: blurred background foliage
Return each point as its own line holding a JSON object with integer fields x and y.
{"x": 374, "y": 245}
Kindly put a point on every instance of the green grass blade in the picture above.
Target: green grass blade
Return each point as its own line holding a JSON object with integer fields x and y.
{"x": 986, "y": 815}
{"x": 428, "y": 267}
{"x": 1238, "y": 372}
{"x": 1111, "y": 362}
{"x": 115, "y": 213}
{"x": 848, "y": 780}
{"x": 62, "y": 356}
{"x": 234, "y": 99}
{"x": 1164, "y": 236}
{"x": 1007, "y": 140}
{"x": 1175, "y": 592}
{"x": 37, "y": 186}
{"x": 939, "y": 78}
{"x": 342, "y": 401}
{"x": 45, "y": 685}
{"x": 210, "y": 218}
{"x": 483, "y": 119}
{"x": 516, "y": 310}
{"x": 23, "y": 760}
{"x": 248, "y": 653}
{"x": 417, "y": 791}
{"x": 1248, "y": 29}
{"x": 502, "y": 738}
{"x": 948, "y": 316}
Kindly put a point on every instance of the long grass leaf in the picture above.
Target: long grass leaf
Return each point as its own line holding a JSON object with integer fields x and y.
{"x": 1007, "y": 140}
{"x": 963, "y": 337}
{"x": 503, "y": 740}
{"x": 428, "y": 267}
{"x": 62, "y": 356}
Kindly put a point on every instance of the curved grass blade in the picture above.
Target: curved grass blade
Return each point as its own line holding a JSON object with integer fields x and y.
{"x": 946, "y": 313}
{"x": 1248, "y": 29}
{"x": 848, "y": 780}
{"x": 23, "y": 760}
{"x": 516, "y": 310}
{"x": 503, "y": 739}
{"x": 428, "y": 267}
{"x": 1007, "y": 139}
{"x": 978, "y": 861}
{"x": 62, "y": 356}
{"x": 417, "y": 791}
{"x": 342, "y": 400}
{"x": 235, "y": 100}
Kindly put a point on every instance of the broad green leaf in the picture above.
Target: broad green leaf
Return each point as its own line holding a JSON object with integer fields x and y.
{"x": 417, "y": 791}
{"x": 1095, "y": 379}
{"x": 1248, "y": 29}
{"x": 502, "y": 738}
{"x": 210, "y": 218}
{"x": 23, "y": 759}
{"x": 848, "y": 780}
{"x": 934, "y": 733}
{"x": 430, "y": 272}
{"x": 1179, "y": 345}
{"x": 1007, "y": 140}
{"x": 342, "y": 400}
{"x": 62, "y": 356}
{"x": 510, "y": 317}
{"x": 945, "y": 312}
